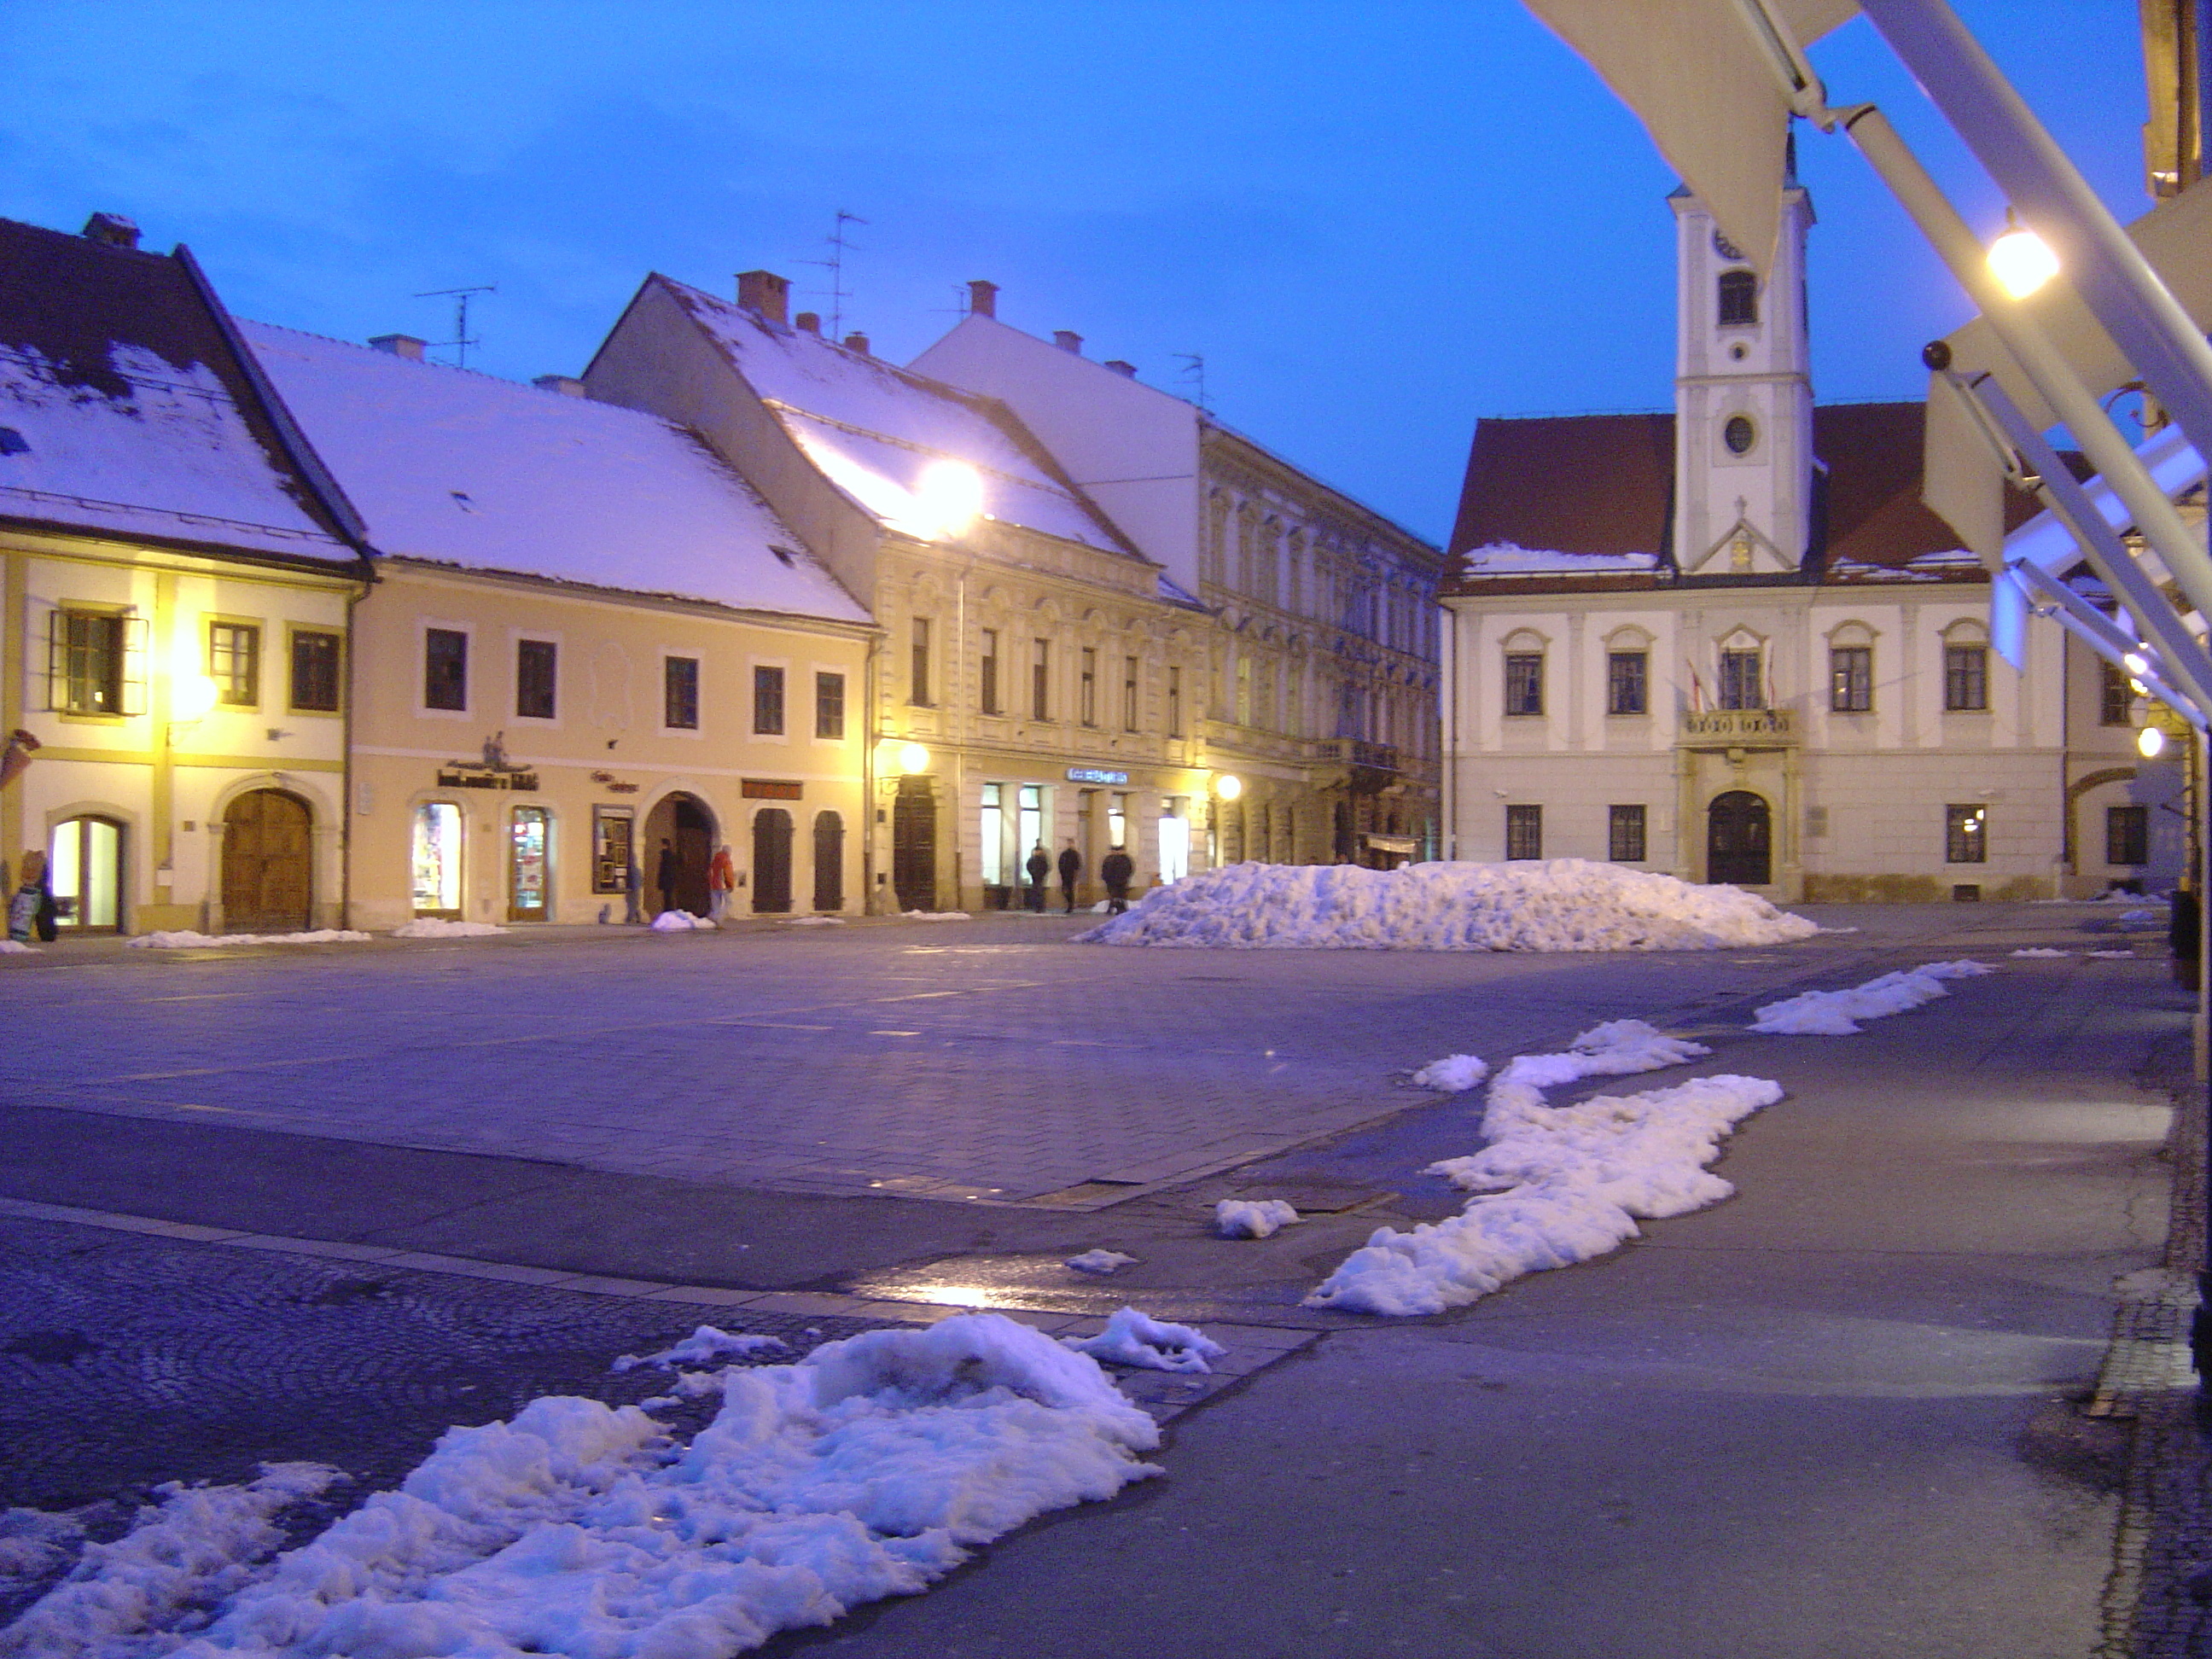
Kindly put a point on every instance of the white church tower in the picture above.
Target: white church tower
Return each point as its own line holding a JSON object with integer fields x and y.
{"x": 1743, "y": 397}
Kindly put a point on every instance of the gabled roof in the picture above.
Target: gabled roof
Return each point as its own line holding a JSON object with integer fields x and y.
{"x": 135, "y": 415}
{"x": 465, "y": 469}
{"x": 875, "y": 429}
{"x": 1589, "y": 496}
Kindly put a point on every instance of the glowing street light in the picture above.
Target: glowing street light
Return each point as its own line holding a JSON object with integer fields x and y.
{"x": 2150, "y": 743}
{"x": 1228, "y": 785}
{"x": 913, "y": 758}
{"x": 192, "y": 697}
{"x": 2022, "y": 261}
{"x": 949, "y": 497}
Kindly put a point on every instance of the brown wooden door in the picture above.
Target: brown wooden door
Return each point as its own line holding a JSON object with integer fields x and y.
{"x": 1739, "y": 840}
{"x": 771, "y": 860}
{"x": 267, "y": 863}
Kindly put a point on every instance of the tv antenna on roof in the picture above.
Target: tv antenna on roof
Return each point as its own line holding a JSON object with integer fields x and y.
{"x": 834, "y": 265}
{"x": 462, "y": 340}
{"x": 1195, "y": 372}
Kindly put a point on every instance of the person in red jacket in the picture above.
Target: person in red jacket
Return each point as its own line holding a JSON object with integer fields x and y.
{"x": 721, "y": 880}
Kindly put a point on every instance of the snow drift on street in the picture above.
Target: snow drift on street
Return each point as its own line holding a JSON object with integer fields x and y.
{"x": 445, "y": 928}
{"x": 1138, "y": 1340}
{"x": 1247, "y": 1217}
{"x": 1837, "y": 1013}
{"x": 1568, "y": 904}
{"x": 1558, "y": 1185}
{"x": 865, "y": 1469}
{"x": 1100, "y": 1262}
{"x": 1454, "y": 1074}
{"x": 679, "y": 921}
{"x": 183, "y": 938}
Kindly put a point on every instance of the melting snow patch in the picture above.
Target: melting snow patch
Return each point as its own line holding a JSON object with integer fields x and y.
{"x": 2141, "y": 918}
{"x": 1557, "y": 1185}
{"x": 1453, "y": 1074}
{"x": 16, "y": 947}
{"x": 1569, "y": 904}
{"x": 865, "y": 1469}
{"x": 813, "y": 921}
{"x": 1245, "y": 1218}
{"x": 935, "y": 915}
{"x": 1143, "y": 1343}
{"x": 443, "y": 927}
{"x": 1099, "y": 1261}
{"x": 198, "y": 1545}
{"x": 1837, "y": 1013}
{"x": 679, "y": 921}
{"x": 2041, "y": 951}
{"x": 2112, "y": 955}
{"x": 185, "y": 939}
{"x": 704, "y": 1344}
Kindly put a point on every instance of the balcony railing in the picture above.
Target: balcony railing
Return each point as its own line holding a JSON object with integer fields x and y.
{"x": 1356, "y": 751}
{"x": 1738, "y": 728}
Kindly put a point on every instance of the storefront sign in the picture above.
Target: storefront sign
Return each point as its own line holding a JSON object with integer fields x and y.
{"x": 1095, "y": 775}
{"x": 484, "y": 777}
{"x": 614, "y": 786}
{"x": 769, "y": 789}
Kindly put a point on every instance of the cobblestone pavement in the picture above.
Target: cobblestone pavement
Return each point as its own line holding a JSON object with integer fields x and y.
{"x": 984, "y": 1060}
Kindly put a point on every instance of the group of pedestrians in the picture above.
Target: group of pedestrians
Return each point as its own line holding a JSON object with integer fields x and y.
{"x": 1116, "y": 870}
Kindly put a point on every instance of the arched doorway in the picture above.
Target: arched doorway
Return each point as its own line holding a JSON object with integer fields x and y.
{"x": 682, "y": 825}
{"x": 828, "y": 861}
{"x": 1739, "y": 840}
{"x": 771, "y": 860}
{"x": 84, "y": 866}
{"x": 914, "y": 845}
{"x": 268, "y": 862}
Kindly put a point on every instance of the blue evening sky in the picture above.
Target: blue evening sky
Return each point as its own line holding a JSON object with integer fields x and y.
{"x": 1376, "y": 221}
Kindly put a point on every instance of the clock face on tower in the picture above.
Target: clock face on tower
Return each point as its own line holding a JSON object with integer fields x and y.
{"x": 1725, "y": 248}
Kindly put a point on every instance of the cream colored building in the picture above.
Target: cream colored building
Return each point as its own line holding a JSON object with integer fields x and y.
{"x": 1321, "y": 683}
{"x": 1039, "y": 683}
{"x": 177, "y": 572}
{"x": 588, "y": 640}
{"x": 1731, "y": 644}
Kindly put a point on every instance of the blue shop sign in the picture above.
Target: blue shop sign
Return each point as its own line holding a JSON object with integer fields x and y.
{"x": 1095, "y": 775}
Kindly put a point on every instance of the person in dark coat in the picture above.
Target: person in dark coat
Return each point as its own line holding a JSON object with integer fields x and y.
{"x": 663, "y": 874}
{"x": 1071, "y": 867}
{"x": 1040, "y": 869}
{"x": 1115, "y": 869}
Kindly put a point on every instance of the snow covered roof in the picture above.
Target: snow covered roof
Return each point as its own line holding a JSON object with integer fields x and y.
{"x": 126, "y": 411}
{"x": 1590, "y": 496}
{"x": 877, "y": 430}
{"x": 463, "y": 468}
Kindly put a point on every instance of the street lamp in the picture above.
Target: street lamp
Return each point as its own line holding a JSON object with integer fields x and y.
{"x": 1228, "y": 785}
{"x": 2150, "y": 743}
{"x": 2021, "y": 260}
{"x": 913, "y": 758}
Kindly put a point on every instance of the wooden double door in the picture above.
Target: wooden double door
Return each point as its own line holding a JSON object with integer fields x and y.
{"x": 268, "y": 863}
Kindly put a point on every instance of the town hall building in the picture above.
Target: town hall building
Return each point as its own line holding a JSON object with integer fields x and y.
{"x": 1728, "y": 643}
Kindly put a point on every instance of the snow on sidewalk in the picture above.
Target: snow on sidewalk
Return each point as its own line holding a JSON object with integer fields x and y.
{"x": 1568, "y": 904}
{"x": 183, "y": 938}
{"x": 868, "y": 1468}
{"x": 1837, "y": 1013}
{"x": 1554, "y": 1186}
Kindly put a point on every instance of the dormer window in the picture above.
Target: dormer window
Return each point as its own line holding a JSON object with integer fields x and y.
{"x": 1739, "y": 299}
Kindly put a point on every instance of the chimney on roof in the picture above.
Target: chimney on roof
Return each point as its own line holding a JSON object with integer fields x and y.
{"x": 857, "y": 343}
{"x": 113, "y": 228}
{"x": 399, "y": 345}
{"x": 567, "y": 385}
{"x": 1125, "y": 369}
{"x": 982, "y": 299}
{"x": 1067, "y": 340}
{"x": 809, "y": 322}
{"x": 765, "y": 291}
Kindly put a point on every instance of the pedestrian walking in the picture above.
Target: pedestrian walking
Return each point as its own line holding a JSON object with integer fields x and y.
{"x": 721, "y": 880}
{"x": 633, "y": 892}
{"x": 1115, "y": 869}
{"x": 1040, "y": 869}
{"x": 663, "y": 874}
{"x": 31, "y": 907}
{"x": 1071, "y": 867}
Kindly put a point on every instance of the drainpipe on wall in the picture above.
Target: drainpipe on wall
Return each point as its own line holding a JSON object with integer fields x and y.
{"x": 347, "y": 805}
{"x": 869, "y": 809}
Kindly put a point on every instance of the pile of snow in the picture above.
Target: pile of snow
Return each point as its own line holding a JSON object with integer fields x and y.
{"x": 1568, "y": 904}
{"x": 440, "y": 927}
{"x": 185, "y": 939}
{"x": 1557, "y": 1185}
{"x": 198, "y": 1544}
{"x": 1837, "y": 1013}
{"x": 1245, "y": 1218}
{"x": 2041, "y": 951}
{"x": 935, "y": 915}
{"x": 2112, "y": 955}
{"x": 679, "y": 921}
{"x": 865, "y": 1469}
{"x": 812, "y": 921}
{"x": 2140, "y": 919}
{"x": 704, "y": 1345}
{"x": 1454, "y": 1074}
{"x": 1099, "y": 1261}
{"x": 16, "y": 947}
{"x": 1143, "y": 1343}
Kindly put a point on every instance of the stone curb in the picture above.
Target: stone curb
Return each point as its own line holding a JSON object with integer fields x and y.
{"x": 1165, "y": 1396}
